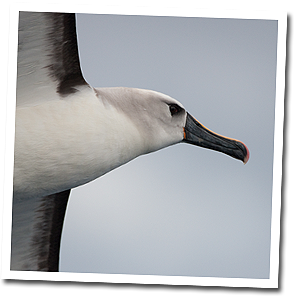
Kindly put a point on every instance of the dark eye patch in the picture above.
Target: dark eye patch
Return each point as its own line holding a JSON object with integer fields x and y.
{"x": 175, "y": 109}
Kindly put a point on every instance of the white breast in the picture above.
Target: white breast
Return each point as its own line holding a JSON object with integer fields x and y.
{"x": 65, "y": 143}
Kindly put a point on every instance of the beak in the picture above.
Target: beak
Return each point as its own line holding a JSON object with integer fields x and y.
{"x": 197, "y": 134}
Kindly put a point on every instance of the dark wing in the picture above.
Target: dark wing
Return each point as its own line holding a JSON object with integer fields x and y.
{"x": 48, "y": 69}
{"x": 47, "y": 230}
{"x": 36, "y": 232}
{"x": 48, "y": 61}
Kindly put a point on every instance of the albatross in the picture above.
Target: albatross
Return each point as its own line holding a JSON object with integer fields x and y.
{"x": 69, "y": 133}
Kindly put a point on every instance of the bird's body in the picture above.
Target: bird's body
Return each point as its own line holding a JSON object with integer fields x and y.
{"x": 62, "y": 144}
{"x": 69, "y": 133}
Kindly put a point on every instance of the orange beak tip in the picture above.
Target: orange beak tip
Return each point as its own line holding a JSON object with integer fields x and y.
{"x": 247, "y": 156}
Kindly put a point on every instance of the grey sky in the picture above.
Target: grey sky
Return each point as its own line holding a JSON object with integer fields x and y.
{"x": 183, "y": 210}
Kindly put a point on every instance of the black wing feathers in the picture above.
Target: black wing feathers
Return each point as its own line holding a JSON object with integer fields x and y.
{"x": 65, "y": 65}
{"x": 48, "y": 229}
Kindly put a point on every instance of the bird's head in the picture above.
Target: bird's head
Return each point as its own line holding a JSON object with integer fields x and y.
{"x": 163, "y": 121}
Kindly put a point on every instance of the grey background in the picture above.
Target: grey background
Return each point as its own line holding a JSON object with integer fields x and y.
{"x": 182, "y": 210}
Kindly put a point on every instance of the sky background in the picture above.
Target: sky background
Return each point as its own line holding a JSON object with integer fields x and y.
{"x": 183, "y": 210}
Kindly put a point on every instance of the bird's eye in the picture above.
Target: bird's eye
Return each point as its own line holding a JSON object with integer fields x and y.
{"x": 174, "y": 109}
